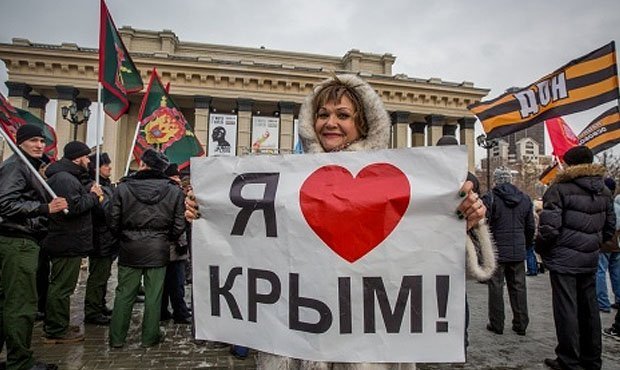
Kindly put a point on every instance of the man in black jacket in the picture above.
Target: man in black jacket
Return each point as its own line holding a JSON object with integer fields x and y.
{"x": 577, "y": 217}
{"x": 105, "y": 247}
{"x": 147, "y": 215}
{"x": 511, "y": 218}
{"x": 24, "y": 208}
{"x": 70, "y": 237}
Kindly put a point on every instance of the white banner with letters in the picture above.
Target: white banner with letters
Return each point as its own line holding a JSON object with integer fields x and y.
{"x": 222, "y": 134}
{"x": 348, "y": 257}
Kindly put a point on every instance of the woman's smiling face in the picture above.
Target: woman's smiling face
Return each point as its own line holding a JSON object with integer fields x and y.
{"x": 335, "y": 124}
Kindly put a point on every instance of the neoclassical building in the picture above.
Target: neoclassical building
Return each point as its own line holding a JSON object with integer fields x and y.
{"x": 246, "y": 82}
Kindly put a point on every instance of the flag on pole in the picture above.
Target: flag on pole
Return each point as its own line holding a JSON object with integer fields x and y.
{"x": 561, "y": 136}
{"x": 601, "y": 134}
{"x": 164, "y": 128}
{"x": 118, "y": 74}
{"x": 12, "y": 119}
{"x": 582, "y": 84}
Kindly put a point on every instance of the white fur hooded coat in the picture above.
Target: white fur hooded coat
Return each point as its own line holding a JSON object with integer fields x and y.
{"x": 379, "y": 130}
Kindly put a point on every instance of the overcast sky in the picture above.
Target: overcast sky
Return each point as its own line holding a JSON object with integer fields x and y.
{"x": 495, "y": 44}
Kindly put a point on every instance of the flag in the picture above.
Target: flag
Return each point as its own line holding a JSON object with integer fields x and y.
{"x": 117, "y": 73}
{"x": 164, "y": 128}
{"x": 601, "y": 134}
{"x": 582, "y": 84}
{"x": 561, "y": 135}
{"x": 12, "y": 119}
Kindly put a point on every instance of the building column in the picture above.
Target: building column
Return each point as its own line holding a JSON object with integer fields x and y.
{"x": 286, "y": 126}
{"x": 244, "y": 126}
{"x": 37, "y": 104}
{"x": 64, "y": 129}
{"x": 400, "y": 120}
{"x": 417, "y": 133}
{"x": 201, "y": 120}
{"x": 18, "y": 97}
{"x": 435, "y": 128}
{"x": 112, "y": 144}
{"x": 467, "y": 138}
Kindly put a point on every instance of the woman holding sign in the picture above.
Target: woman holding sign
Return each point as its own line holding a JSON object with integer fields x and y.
{"x": 344, "y": 113}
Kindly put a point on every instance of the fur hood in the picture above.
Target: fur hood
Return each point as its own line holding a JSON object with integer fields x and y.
{"x": 581, "y": 170}
{"x": 379, "y": 123}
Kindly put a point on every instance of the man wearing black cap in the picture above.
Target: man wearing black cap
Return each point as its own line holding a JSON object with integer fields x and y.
{"x": 147, "y": 215}
{"x": 105, "y": 247}
{"x": 577, "y": 217}
{"x": 70, "y": 238}
{"x": 24, "y": 207}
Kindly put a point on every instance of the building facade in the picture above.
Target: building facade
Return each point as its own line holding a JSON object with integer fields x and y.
{"x": 209, "y": 79}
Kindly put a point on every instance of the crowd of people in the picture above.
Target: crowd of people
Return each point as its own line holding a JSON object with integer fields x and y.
{"x": 143, "y": 222}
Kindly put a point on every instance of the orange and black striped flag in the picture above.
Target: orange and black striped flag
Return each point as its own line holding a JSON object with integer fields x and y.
{"x": 601, "y": 134}
{"x": 582, "y": 84}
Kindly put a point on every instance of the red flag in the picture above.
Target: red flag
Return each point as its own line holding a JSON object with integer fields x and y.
{"x": 11, "y": 119}
{"x": 561, "y": 135}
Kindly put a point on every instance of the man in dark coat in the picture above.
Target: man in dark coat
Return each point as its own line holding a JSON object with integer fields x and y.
{"x": 577, "y": 217}
{"x": 24, "y": 207}
{"x": 511, "y": 218}
{"x": 147, "y": 215}
{"x": 105, "y": 247}
{"x": 70, "y": 238}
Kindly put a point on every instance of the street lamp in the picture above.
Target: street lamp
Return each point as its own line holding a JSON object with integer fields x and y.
{"x": 72, "y": 114}
{"x": 487, "y": 144}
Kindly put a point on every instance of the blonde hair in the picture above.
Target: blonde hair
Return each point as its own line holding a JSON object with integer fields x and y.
{"x": 333, "y": 91}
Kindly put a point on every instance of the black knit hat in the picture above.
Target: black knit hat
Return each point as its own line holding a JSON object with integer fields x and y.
{"x": 155, "y": 160}
{"x": 578, "y": 155}
{"x": 172, "y": 170}
{"x": 28, "y": 131}
{"x": 447, "y": 140}
{"x": 75, "y": 149}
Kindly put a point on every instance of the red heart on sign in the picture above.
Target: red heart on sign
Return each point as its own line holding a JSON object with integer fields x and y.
{"x": 352, "y": 215}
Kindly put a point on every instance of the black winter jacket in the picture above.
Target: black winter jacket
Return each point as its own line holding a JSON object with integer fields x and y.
{"x": 105, "y": 243}
{"x": 147, "y": 215}
{"x": 70, "y": 235}
{"x": 23, "y": 200}
{"x": 577, "y": 216}
{"x": 510, "y": 215}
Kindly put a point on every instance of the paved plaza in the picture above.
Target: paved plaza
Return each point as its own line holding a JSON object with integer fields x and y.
{"x": 178, "y": 350}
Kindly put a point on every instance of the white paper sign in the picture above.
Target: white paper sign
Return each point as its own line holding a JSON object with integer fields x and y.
{"x": 223, "y": 135}
{"x": 347, "y": 257}
{"x": 265, "y": 135}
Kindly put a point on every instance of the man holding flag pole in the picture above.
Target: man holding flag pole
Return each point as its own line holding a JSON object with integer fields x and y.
{"x": 23, "y": 208}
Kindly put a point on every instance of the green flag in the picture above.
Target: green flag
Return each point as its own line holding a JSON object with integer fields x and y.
{"x": 12, "y": 118}
{"x": 164, "y": 128}
{"x": 117, "y": 73}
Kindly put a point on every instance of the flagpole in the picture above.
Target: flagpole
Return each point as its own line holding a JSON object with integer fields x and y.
{"x": 36, "y": 173}
{"x": 98, "y": 140}
{"x": 133, "y": 143}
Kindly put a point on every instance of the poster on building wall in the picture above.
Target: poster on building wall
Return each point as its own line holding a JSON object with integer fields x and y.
{"x": 265, "y": 135}
{"x": 222, "y": 135}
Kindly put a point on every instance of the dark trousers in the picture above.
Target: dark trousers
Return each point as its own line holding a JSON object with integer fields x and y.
{"x": 174, "y": 291}
{"x": 577, "y": 320}
{"x": 18, "y": 299}
{"x": 65, "y": 273}
{"x": 514, "y": 272}
{"x": 43, "y": 279}
{"x": 128, "y": 284}
{"x": 98, "y": 275}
